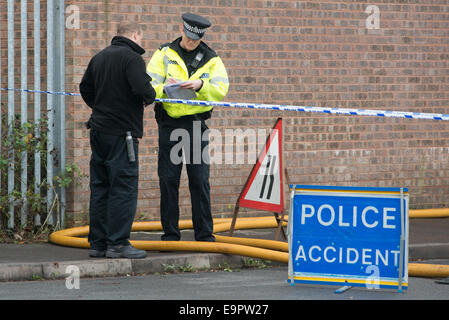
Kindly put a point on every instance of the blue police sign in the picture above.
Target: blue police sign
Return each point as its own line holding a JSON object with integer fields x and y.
{"x": 349, "y": 236}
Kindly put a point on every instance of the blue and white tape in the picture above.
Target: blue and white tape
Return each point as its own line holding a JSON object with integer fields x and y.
{"x": 359, "y": 112}
{"x": 42, "y": 91}
{"x": 341, "y": 111}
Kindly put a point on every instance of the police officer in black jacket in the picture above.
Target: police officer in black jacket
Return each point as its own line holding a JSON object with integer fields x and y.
{"x": 117, "y": 88}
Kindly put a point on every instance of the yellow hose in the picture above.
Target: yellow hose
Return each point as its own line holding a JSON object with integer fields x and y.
{"x": 256, "y": 248}
{"x": 429, "y": 213}
{"x": 228, "y": 245}
{"x": 428, "y": 270}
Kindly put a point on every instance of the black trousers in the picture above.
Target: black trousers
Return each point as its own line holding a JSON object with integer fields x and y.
{"x": 113, "y": 190}
{"x": 178, "y": 137}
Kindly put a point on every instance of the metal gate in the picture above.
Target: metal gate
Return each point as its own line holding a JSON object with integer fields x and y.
{"x": 18, "y": 189}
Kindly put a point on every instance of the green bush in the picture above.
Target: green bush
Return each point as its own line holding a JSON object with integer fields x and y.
{"x": 31, "y": 138}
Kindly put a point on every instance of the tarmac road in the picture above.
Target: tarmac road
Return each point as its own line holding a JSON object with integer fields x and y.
{"x": 245, "y": 284}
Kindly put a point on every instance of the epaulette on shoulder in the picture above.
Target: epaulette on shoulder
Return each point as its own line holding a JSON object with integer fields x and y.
{"x": 164, "y": 45}
{"x": 210, "y": 52}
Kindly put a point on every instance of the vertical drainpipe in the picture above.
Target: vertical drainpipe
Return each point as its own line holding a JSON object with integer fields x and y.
{"x": 37, "y": 100}
{"x": 50, "y": 106}
{"x": 11, "y": 108}
{"x": 62, "y": 162}
{"x": 23, "y": 108}
{"x": 106, "y": 21}
{"x": 1, "y": 119}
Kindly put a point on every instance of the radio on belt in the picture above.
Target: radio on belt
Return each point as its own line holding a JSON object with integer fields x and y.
{"x": 130, "y": 147}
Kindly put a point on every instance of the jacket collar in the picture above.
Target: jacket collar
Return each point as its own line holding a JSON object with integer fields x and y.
{"x": 125, "y": 42}
{"x": 208, "y": 52}
{"x": 175, "y": 45}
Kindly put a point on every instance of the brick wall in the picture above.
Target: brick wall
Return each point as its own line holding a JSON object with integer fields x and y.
{"x": 299, "y": 53}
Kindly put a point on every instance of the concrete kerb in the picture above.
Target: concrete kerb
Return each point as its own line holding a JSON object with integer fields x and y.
{"x": 117, "y": 267}
{"x": 21, "y": 271}
{"x": 104, "y": 267}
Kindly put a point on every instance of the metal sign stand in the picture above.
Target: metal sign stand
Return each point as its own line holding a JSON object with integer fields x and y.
{"x": 342, "y": 289}
{"x": 280, "y": 219}
{"x": 401, "y": 244}
{"x": 290, "y": 236}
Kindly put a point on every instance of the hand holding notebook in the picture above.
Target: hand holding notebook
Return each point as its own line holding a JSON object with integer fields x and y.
{"x": 176, "y": 91}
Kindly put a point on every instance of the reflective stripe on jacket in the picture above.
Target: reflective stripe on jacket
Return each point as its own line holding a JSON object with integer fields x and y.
{"x": 166, "y": 63}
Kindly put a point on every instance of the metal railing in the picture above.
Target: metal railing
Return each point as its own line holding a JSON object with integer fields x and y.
{"x": 55, "y": 108}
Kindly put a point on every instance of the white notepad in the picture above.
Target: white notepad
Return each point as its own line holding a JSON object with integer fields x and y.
{"x": 174, "y": 91}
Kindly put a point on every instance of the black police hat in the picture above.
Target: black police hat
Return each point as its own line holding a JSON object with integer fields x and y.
{"x": 195, "y": 26}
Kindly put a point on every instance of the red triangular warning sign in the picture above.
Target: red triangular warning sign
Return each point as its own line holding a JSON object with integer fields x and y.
{"x": 264, "y": 189}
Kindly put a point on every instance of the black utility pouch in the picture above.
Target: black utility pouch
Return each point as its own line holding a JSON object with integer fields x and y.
{"x": 158, "y": 111}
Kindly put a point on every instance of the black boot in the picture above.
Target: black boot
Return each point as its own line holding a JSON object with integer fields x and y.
{"x": 125, "y": 251}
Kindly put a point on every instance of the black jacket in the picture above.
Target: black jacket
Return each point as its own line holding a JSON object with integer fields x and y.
{"x": 116, "y": 87}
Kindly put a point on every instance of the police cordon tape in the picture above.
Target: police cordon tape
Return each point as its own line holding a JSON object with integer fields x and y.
{"x": 60, "y": 93}
{"x": 339, "y": 111}
{"x": 255, "y": 248}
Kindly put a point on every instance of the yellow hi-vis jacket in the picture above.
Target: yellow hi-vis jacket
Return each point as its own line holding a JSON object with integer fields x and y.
{"x": 167, "y": 63}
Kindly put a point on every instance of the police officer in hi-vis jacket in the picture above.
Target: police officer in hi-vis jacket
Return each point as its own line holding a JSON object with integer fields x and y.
{"x": 189, "y": 60}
